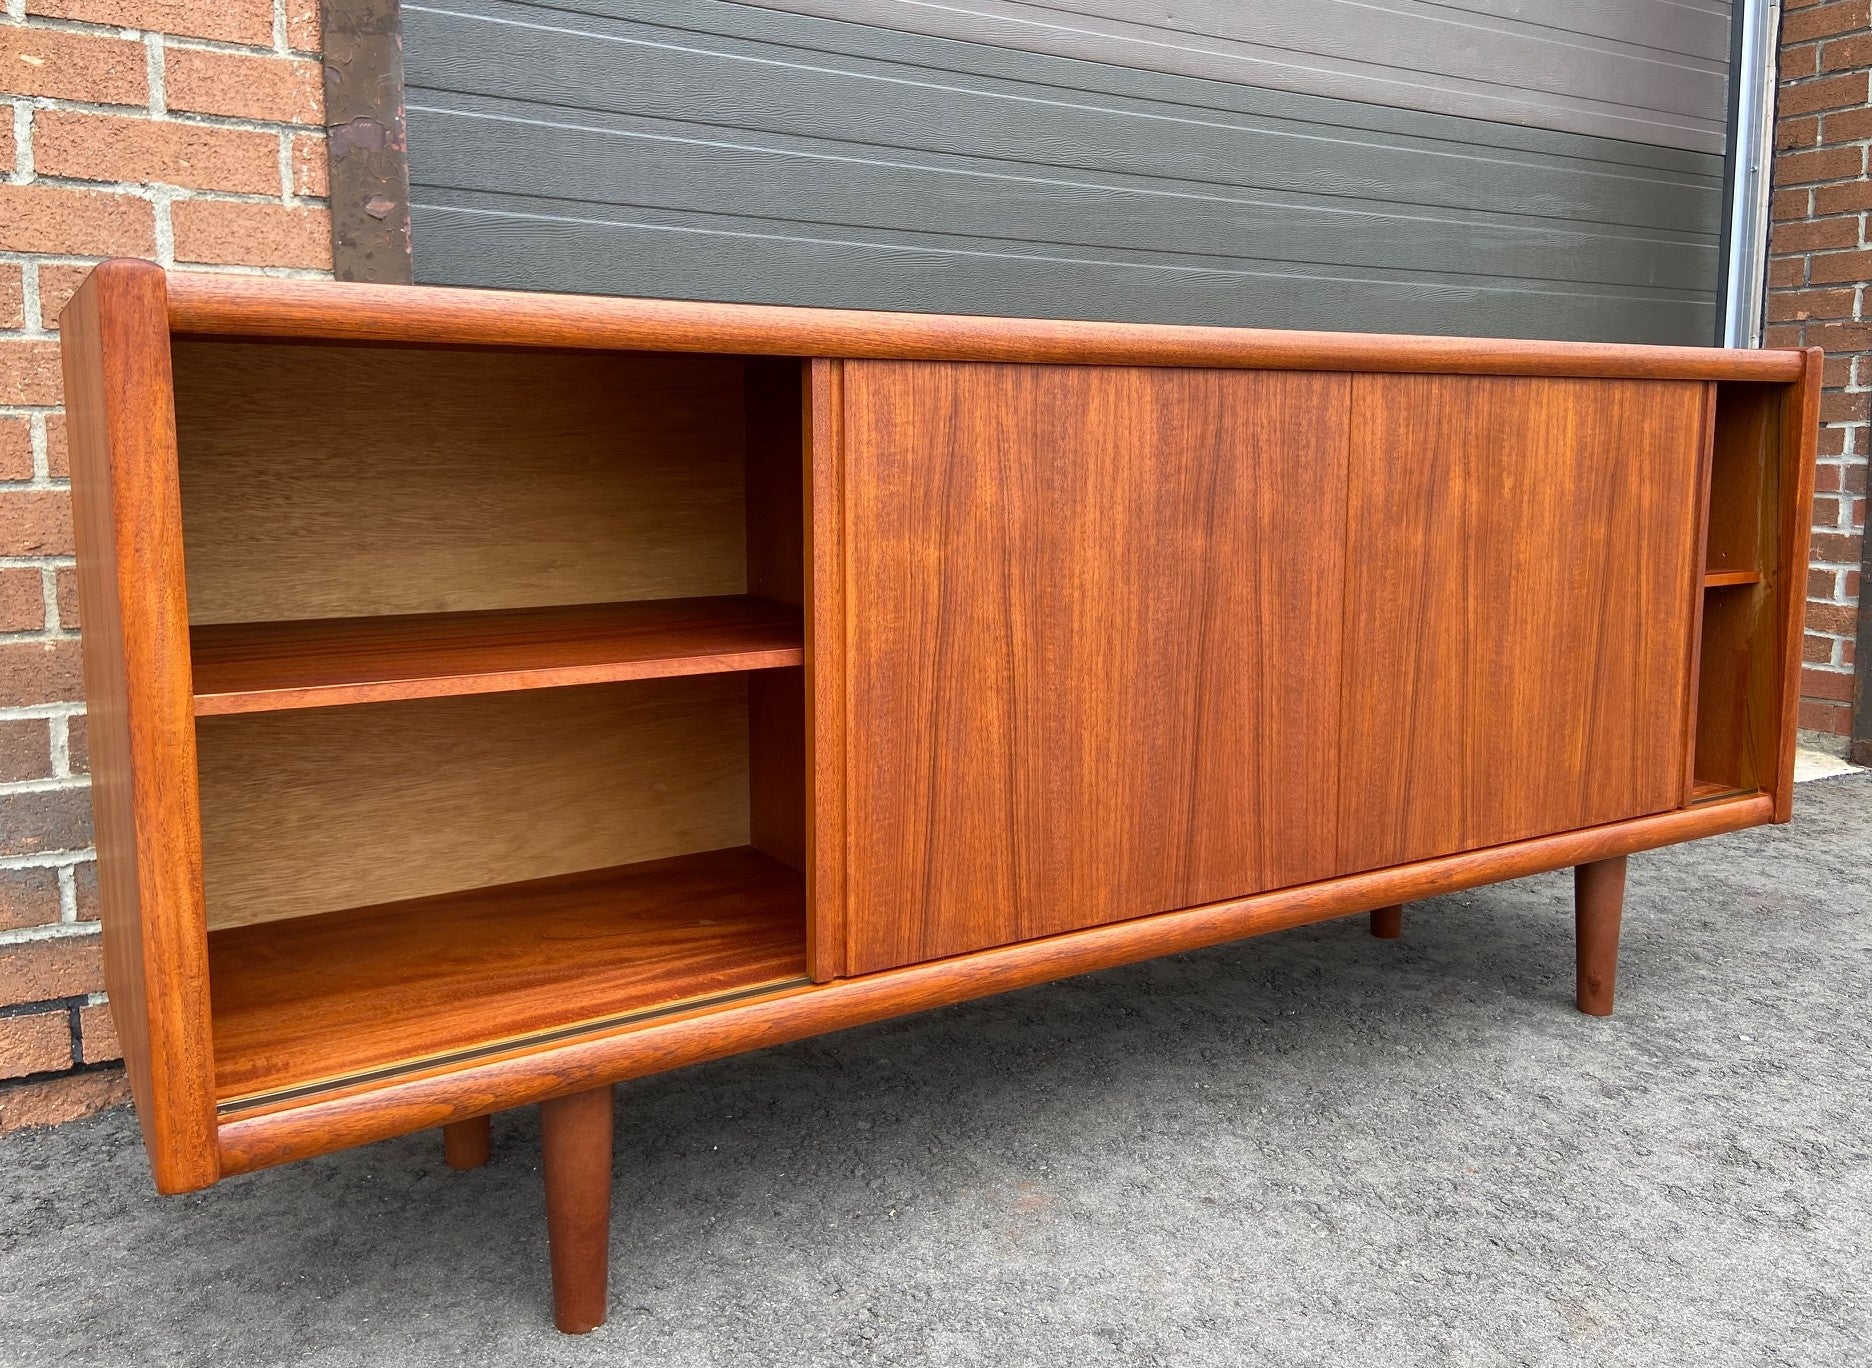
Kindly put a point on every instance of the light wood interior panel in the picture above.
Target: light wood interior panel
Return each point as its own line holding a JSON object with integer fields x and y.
{"x": 1519, "y": 602}
{"x": 777, "y": 764}
{"x": 308, "y": 812}
{"x": 339, "y": 481}
{"x": 1738, "y": 685}
{"x": 1089, "y": 674}
{"x": 1742, "y": 474}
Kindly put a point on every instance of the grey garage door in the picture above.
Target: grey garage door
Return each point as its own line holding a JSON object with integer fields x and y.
{"x": 1492, "y": 167}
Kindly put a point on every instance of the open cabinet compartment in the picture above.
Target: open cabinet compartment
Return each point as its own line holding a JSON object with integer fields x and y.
{"x": 1746, "y": 581}
{"x": 498, "y": 673}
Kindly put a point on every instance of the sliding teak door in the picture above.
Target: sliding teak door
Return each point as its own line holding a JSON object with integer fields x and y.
{"x": 1122, "y": 640}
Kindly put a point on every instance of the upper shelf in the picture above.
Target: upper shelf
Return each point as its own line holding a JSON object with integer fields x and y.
{"x": 268, "y": 666}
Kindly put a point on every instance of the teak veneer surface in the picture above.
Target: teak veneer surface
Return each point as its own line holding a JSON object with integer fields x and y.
{"x": 214, "y": 305}
{"x": 275, "y": 1134}
{"x": 1093, "y": 649}
{"x": 353, "y": 991}
{"x": 264, "y": 666}
{"x": 313, "y": 811}
{"x": 1085, "y": 647}
{"x": 1519, "y": 599}
{"x": 127, "y": 521}
{"x": 1126, "y": 640}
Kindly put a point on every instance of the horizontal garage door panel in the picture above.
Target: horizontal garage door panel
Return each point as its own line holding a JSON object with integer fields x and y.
{"x": 728, "y": 151}
{"x": 1652, "y": 70}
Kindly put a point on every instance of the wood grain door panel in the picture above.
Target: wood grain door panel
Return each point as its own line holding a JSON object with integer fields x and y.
{"x": 1088, "y": 679}
{"x": 1124, "y": 640}
{"x": 1520, "y": 588}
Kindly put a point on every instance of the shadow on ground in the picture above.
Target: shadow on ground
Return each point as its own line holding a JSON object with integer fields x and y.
{"x": 1314, "y": 1147}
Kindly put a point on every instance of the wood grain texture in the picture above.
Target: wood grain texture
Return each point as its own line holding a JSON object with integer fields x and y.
{"x": 1742, "y": 478}
{"x": 321, "y": 1125}
{"x": 1742, "y": 676}
{"x": 127, "y": 522}
{"x": 1087, "y": 653}
{"x": 827, "y": 649}
{"x": 1794, "y": 459}
{"x": 777, "y": 798}
{"x": 323, "y": 482}
{"x": 310, "y": 812}
{"x": 242, "y": 667}
{"x": 1599, "y": 903}
{"x": 1519, "y": 604}
{"x": 1699, "y": 558}
{"x": 1736, "y": 683}
{"x": 575, "y": 1154}
{"x": 320, "y": 997}
{"x": 215, "y": 305}
{"x": 776, "y": 560}
{"x": 465, "y": 1144}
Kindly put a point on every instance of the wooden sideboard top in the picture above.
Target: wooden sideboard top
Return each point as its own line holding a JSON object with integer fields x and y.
{"x": 224, "y": 306}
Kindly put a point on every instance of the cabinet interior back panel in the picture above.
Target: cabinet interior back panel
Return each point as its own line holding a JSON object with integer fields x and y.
{"x": 992, "y": 165}
{"x": 315, "y": 811}
{"x": 344, "y": 481}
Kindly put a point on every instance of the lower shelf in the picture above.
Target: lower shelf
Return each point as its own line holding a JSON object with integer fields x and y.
{"x": 310, "y": 1000}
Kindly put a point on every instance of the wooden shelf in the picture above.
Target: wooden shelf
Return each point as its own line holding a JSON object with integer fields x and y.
{"x": 1726, "y": 579}
{"x": 267, "y": 666}
{"x": 317, "y": 999}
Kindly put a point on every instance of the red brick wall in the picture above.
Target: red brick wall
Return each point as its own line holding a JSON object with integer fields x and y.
{"x": 185, "y": 132}
{"x": 1820, "y": 259}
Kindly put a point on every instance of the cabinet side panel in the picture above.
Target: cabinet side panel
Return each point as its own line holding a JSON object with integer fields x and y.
{"x": 1095, "y": 620}
{"x": 1800, "y": 432}
{"x": 1519, "y": 608}
{"x": 128, "y": 525}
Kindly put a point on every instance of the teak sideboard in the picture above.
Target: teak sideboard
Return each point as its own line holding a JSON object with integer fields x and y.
{"x": 496, "y": 696}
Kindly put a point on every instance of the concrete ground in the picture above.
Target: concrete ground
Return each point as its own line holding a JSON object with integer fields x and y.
{"x": 1310, "y": 1148}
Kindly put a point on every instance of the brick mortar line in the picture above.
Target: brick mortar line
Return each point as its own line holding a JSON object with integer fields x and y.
{"x": 49, "y": 859}
{"x": 46, "y": 1006}
{"x": 55, "y": 1075}
{"x": 97, "y": 29}
{"x": 162, "y": 191}
{"x": 26, "y": 712}
{"x": 34, "y": 562}
{"x": 51, "y": 931}
{"x": 55, "y": 784}
{"x": 11, "y": 256}
{"x": 197, "y": 118}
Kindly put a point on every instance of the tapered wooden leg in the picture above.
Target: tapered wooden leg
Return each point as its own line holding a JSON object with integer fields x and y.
{"x": 1387, "y": 923}
{"x": 575, "y": 1144}
{"x": 465, "y": 1143}
{"x": 1598, "y": 901}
